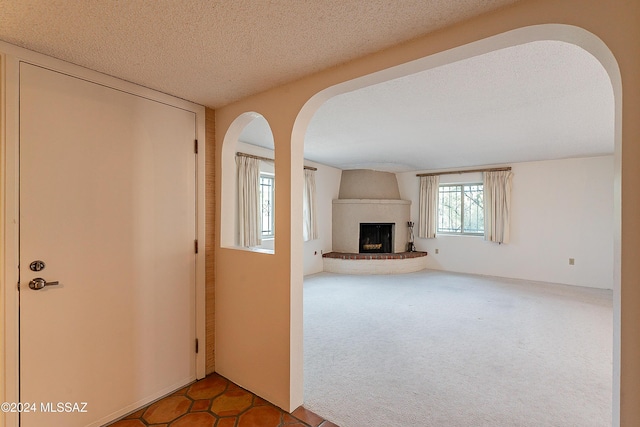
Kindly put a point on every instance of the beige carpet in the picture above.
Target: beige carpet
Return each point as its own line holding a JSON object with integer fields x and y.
{"x": 443, "y": 349}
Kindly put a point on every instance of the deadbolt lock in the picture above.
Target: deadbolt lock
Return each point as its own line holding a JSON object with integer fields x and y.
{"x": 37, "y": 265}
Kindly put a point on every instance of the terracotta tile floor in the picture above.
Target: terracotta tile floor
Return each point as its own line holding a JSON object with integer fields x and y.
{"x": 217, "y": 402}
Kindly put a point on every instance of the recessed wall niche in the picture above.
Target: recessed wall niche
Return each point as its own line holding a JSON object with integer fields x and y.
{"x": 248, "y": 185}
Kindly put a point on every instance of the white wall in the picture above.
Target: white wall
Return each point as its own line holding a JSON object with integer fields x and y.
{"x": 561, "y": 209}
{"x": 327, "y": 188}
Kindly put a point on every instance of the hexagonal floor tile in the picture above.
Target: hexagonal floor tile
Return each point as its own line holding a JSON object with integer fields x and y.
{"x": 167, "y": 410}
{"x": 198, "y": 419}
{"x": 260, "y": 416}
{"x": 226, "y": 422}
{"x": 232, "y": 402}
{"x": 208, "y": 388}
{"x": 128, "y": 423}
{"x": 200, "y": 405}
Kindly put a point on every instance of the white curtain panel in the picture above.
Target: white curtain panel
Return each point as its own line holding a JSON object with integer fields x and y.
{"x": 310, "y": 225}
{"x": 428, "y": 221}
{"x": 249, "y": 212}
{"x": 497, "y": 205}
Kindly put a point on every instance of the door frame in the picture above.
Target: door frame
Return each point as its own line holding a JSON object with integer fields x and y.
{"x": 10, "y": 58}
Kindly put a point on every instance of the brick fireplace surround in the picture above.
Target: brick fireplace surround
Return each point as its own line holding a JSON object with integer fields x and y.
{"x": 354, "y": 263}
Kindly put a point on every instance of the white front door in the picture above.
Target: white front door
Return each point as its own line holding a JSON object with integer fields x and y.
{"x": 107, "y": 204}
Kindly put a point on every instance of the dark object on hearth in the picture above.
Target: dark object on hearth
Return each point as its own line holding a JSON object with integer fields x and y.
{"x": 410, "y": 246}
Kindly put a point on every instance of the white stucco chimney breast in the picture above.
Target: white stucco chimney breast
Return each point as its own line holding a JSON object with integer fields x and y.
{"x": 368, "y": 196}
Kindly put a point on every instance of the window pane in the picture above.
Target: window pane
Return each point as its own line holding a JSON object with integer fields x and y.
{"x": 266, "y": 204}
{"x": 473, "y": 209}
{"x": 461, "y": 209}
{"x": 449, "y": 209}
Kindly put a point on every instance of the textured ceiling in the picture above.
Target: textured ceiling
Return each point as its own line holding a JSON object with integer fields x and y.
{"x": 538, "y": 101}
{"x": 215, "y": 52}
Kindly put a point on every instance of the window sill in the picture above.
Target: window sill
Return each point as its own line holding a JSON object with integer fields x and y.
{"x": 458, "y": 235}
{"x": 261, "y": 250}
{"x": 252, "y": 249}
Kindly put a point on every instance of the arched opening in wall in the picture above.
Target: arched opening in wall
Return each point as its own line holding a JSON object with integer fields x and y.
{"x": 541, "y": 101}
{"x": 248, "y": 185}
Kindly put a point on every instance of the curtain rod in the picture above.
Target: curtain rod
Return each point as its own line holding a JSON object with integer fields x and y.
{"x": 266, "y": 159}
{"x": 466, "y": 171}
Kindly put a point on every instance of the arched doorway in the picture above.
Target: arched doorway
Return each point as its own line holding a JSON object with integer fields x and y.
{"x": 572, "y": 35}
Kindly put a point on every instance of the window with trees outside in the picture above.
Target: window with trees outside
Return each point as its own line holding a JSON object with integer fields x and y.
{"x": 267, "y": 187}
{"x": 461, "y": 209}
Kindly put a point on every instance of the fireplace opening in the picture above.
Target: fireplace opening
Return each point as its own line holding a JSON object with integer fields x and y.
{"x": 376, "y": 237}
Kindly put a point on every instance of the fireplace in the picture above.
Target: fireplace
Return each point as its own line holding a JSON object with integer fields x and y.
{"x": 376, "y": 237}
{"x": 366, "y": 212}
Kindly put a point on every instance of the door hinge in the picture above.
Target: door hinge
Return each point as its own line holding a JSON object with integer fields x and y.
{"x": 195, "y": 146}
{"x": 195, "y": 242}
{"x": 197, "y": 345}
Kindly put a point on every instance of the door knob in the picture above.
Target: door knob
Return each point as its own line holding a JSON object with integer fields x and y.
{"x": 39, "y": 283}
